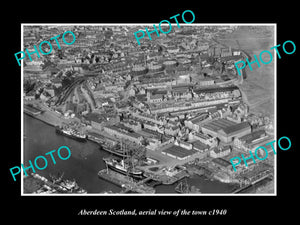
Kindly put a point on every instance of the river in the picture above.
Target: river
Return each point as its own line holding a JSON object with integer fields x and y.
{"x": 86, "y": 161}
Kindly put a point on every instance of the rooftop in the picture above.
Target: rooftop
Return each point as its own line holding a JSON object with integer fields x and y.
{"x": 253, "y": 136}
{"x": 222, "y": 162}
{"x": 179, "y": 151}
{"x": 219, "y": 89}
{"x": 219, "y": 124}
{"x": 236, "y": 127}
{"x": 200, "y": 145}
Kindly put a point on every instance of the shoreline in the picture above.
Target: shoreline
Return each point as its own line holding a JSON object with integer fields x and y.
{"x": 214, "y": 177}
{"x": 40, "y": 119}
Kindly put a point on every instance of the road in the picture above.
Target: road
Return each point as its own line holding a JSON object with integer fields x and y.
{"x": 49, "y": 116}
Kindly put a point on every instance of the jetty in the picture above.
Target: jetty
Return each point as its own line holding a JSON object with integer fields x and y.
{"x": 126, "y": 182}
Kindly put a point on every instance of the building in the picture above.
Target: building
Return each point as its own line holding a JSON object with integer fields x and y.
{"x": 32, "y": 110}
{"x": 181, "y": 92}
{"x": 220, "y": 152}
{"x": 226, "y": 52}
{"x": 150, "y": 126}
{"x": 227, "y": 134}
{"x": 195, "y": 123}
{"x": 139, "y": 70}
{"x": 184, "y": 144}
{"x": 204, "y": 138}
{"x": 30, "y": 96}
{"x": 222, "y": 165}
{"x": 146, "y": 117}
{"x": 96, "y": 120}
{"x": 134, "y": 125}
{"x": 199, "y": 146}
{"x": 171, "y": 130}
{"x": 226, "y": 130}
{"x": 173, "y": 50}
{"x": 252, "y": 141}
{"x": 156, "y": 98}
{"x": 178, "y": 152}
{"x": 242, "y": 142}
{"x": 121, "y": 132}
{"x": 155, "y": 68}
{"x": 206, "y": 82}
{"x": 153, "y": 143}
{"x": 170, "y": 64}
{"x": 50, "y": 91}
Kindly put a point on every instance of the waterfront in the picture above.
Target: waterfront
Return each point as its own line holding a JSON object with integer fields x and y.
{"x": 83, "y": 165}
{"x": 86, "y": 161}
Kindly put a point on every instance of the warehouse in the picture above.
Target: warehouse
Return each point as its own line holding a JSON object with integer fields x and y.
{"x": 178, "y": 152}
{"x": 226, "y": 130}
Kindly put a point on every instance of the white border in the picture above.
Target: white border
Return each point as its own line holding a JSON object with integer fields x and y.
{"x": 149, "y": 24}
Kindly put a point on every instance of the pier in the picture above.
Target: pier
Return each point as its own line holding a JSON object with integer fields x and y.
{"x": 165, "y": 179}
{"x": 54, "y": 187}
{"x": 128, "y": 183}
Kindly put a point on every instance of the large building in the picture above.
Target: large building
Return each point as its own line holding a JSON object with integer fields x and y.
{"x": 139, "y": 70}
{"x": 226, "y": 130}
{"x": 178, "y": 152}
{"x": 155, "y": 68}
{"x": 170, "y": 64}
{"x": 254, "y": 140}
{"x": 122, "y": 133}
{"x": 195, "y": 123}
{"x": 220, "y": 152}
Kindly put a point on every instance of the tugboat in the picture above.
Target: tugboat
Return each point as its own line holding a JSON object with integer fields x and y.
{"x": 120, "y": 166}
{"x": 185, "y": 188}
{"x": 72, "y": 133}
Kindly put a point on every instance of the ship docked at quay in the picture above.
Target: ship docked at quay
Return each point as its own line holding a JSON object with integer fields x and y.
{"x": 120, "y": 166}
{"x": 55, "y": 185}
{"x": 72, "y": 133}
{"x": 107, "y": 144}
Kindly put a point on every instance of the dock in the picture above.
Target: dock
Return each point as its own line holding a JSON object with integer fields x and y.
{"x": 198, "y": 170}
{"x": 53, "y": 187}
{"x": 127, "y": 183}
{"x": 239, "y": 190}
{"x": 165, "y": 179}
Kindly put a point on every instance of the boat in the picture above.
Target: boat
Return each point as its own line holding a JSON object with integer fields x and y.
{"x": 185, "y": 188}
{"x": 120, "y": 166}
{"x": 69, "y": 186}
{"x": 72, "y": 133}
{"x": 56, "y": 179}
{"x": 106, "y": 144}
{"x": 114, "y": 149}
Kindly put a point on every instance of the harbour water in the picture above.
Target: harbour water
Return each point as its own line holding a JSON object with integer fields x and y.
{"x": 86, "y": 161}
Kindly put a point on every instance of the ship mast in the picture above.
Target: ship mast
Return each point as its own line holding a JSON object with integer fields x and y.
{"x": 106, "y": 167}
{"x": 125, "y": 154}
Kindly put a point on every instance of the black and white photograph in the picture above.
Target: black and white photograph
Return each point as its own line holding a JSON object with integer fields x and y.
{"x": 176, "y": 114}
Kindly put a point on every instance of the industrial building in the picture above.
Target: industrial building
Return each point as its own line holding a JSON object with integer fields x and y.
{"x": 254, "y": 140}
{"x": 226, "y": 130}
{"x": 121, "y": 132}
{"x": 178, "y": 152}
